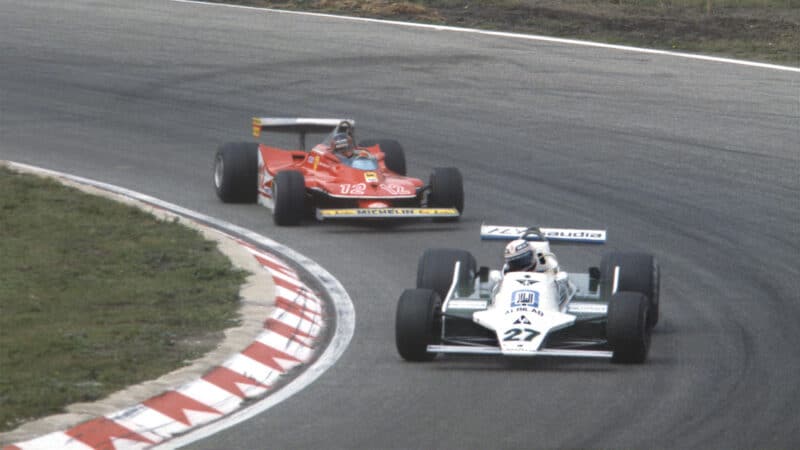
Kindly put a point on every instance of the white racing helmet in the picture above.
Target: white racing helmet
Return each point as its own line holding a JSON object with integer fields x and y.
{"x": 519, "y": 255}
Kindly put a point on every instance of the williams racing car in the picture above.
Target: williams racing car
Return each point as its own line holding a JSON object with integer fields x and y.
{"x": 607, "y": 312}
{"x": 336, "y": 179}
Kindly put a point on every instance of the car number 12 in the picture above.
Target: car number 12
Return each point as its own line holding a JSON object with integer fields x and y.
{"x": 353, "y": 189}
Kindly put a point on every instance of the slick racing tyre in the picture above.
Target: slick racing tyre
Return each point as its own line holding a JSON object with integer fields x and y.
{"x": 435, "y": 270}
{"x": 288, "y": 194}
{"x": 236, "y": 172}
{"x": 626, "y": 330}
{"x": 639, "y": 272}
{"x": 416, "y": 324}
{"x": 447, "y": 190}
{"x": 394, "y": 156}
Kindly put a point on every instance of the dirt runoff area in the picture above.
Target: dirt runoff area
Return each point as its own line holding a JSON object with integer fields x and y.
{"x": 759, "y": 30}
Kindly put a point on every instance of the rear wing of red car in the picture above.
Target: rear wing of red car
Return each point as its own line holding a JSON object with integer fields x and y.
{"x": 299, "y": 125}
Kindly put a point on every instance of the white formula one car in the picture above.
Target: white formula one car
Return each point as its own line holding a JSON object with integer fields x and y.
{"x": 608, "y": 312}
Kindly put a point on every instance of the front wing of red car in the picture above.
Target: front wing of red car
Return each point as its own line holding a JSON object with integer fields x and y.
{"x": 385, "y": 213}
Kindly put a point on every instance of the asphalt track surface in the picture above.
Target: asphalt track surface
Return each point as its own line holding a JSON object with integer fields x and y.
{"x": 695, "y": 161}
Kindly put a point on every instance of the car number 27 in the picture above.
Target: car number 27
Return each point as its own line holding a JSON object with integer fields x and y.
{"x": 520, "y": 334}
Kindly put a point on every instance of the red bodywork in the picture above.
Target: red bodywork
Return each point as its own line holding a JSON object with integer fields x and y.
{"x": 330, "y": 178}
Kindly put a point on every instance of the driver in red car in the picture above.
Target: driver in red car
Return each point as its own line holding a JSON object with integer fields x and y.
{"x": 343, "y": 146}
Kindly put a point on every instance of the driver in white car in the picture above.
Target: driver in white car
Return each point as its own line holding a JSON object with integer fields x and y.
{"x": 521, "y": 255}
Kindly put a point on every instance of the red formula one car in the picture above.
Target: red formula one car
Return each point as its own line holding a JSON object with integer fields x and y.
{"x": 336, "y": 179}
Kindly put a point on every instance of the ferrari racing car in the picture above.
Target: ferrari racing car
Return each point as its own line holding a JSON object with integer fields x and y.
{"x": 607, "y": 312}
{"x": 339, "y": 178}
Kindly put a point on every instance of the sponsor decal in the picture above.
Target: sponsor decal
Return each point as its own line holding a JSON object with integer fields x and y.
{"x": 387, "y": 212}
{"x": 256, "y": 127}
{"x": 339, "y": 212}
{"x": 522, "y": 320}
{"x": 587, "y": 308}
{"x": 524, "y": 298}
{"x": 520, "y": 309}
{"x": 370, "y": 177}
{"x": 390, "y": 212}
{"x": 573, "y": 234}
{"x": 395, "y": 189}
{"x": 466, "y": 304}
{"x": 527, "y": 282}
{"x": 506, "y": 231}
{"x": 264, "y": 179}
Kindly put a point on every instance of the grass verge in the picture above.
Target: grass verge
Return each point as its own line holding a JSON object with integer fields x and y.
{"x": 759, "y": 30}
{"x": 96, "y": 296}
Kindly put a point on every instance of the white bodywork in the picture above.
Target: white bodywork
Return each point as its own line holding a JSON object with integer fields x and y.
{"x": 526, "y": 307}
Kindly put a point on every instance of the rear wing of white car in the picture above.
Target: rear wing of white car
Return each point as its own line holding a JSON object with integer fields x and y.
{"x": 508, "y": 233}
{"x": 299, "y": 125}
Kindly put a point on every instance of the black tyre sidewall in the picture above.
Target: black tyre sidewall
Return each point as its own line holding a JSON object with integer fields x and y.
{"x": 627, "y": 330}
{"x": 288, "y": 194}
{"x": 435, "y": 269}
{"x": 415, "y": 324}
{"x": 639, "y": 272}
{"x": 447, "y": 189}
{"x": 239, "y": 181}
{"x": 394, "y": 156}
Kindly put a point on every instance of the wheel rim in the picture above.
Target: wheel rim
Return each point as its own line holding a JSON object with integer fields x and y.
{"x": 219, "y": 170}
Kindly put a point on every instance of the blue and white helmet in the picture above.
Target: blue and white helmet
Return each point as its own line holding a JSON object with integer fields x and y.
{"x": 519, "y": 255}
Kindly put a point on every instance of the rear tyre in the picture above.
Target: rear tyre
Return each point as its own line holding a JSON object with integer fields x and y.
{"x": 627, "y": 330}
{"x": 236, "y": 172}
{"x": 394, "y": 156}
{"x": 415, "y": 324}
{"x": 288, "y": 194}
{"x": 447, "y": 190}
{"x": 639, "y": 272}
{"x": 435, "y": 270}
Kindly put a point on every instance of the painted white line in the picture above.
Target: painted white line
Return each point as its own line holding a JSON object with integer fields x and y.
{"x": 531, "y": 37}
{"x": 344, "y": 323}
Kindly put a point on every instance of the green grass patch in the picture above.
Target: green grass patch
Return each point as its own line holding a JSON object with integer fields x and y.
{"x": 760, "y": 30}
{"x": 96, "y": 296}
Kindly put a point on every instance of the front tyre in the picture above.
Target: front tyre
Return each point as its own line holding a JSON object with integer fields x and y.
{"x": 288, "y": 195}
{"x": 236, "y": 172}
{"x": 446, "y": 190}
{"x": 393, "y": 155}
{"x": 435, "y": 270}
{"x": 638, "y": 272}
{"x": 416, "y": 324}
{"x": 627, "y": 330}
